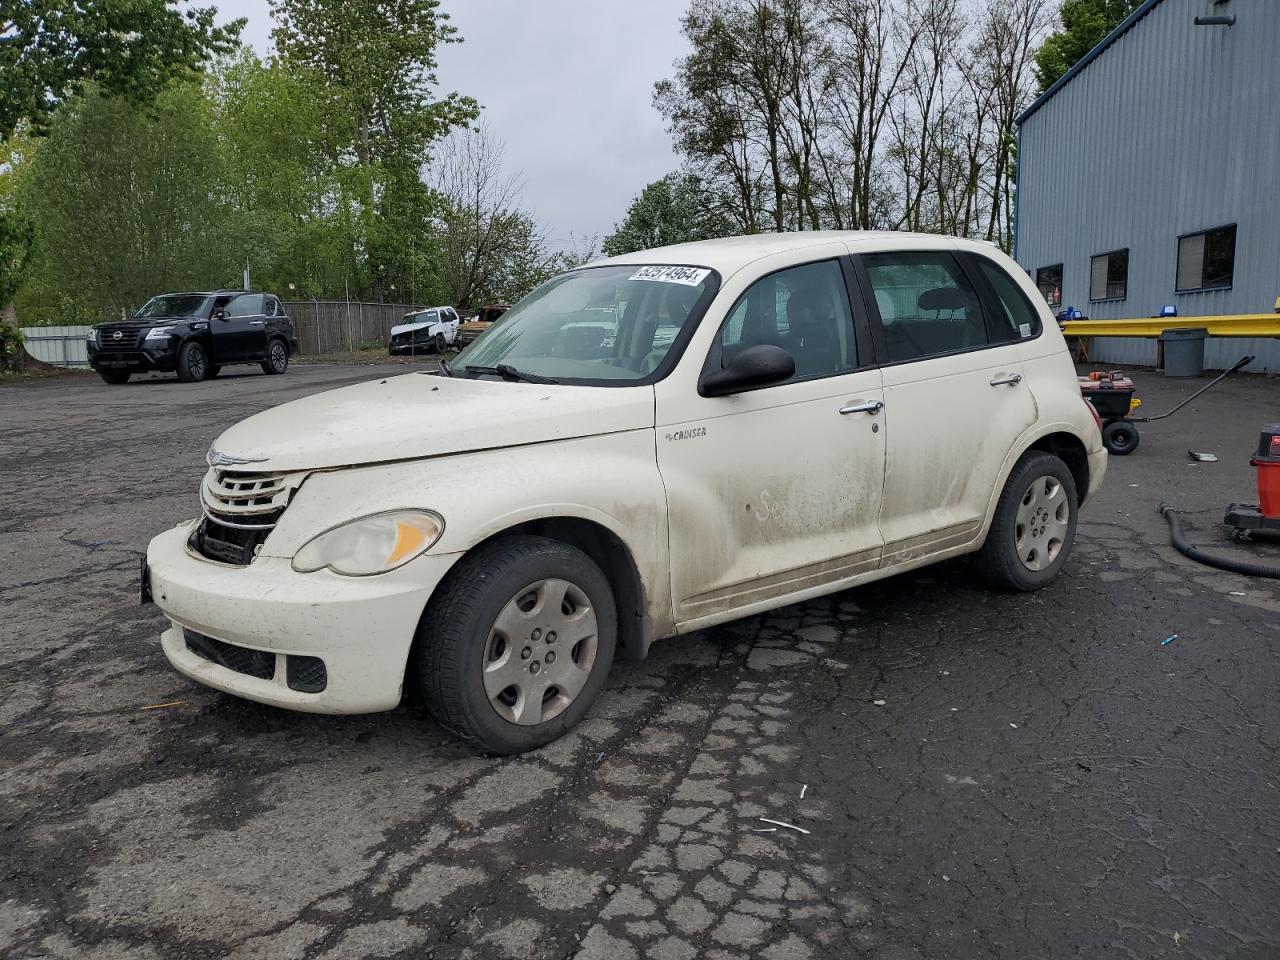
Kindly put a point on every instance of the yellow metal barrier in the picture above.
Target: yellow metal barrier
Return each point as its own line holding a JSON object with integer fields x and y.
{"x": 1237, "y": 325}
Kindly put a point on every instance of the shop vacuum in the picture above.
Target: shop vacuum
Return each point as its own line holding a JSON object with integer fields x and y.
{"x": 1247, "y": 519}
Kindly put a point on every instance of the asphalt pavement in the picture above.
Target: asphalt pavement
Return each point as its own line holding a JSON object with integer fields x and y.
{"x": 957, "y": 773}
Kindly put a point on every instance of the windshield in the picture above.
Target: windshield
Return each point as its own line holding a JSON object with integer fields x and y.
{"x": 174, "y": 305}
{"x": 423, "y": 317}
{"x": 606, "y": 324}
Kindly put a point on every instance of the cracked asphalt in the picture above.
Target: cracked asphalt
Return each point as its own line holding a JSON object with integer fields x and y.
{"x": 974, "y": 774}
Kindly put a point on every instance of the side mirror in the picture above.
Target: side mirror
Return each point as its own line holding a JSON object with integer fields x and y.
{"x": 220, "y": 314}
{"x": 756, "y": 366}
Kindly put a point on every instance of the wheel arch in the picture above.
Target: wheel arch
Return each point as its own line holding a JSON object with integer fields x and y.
{"x": 1061, "y": 441}
{"x": 612, "y": 555}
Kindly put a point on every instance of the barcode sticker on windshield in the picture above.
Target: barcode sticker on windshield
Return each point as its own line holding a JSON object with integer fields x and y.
{"x": 689, "y": 276}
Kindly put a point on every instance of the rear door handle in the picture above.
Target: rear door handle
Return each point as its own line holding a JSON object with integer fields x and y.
{"x": 866, "y": 406}
{"x": 1006, "y": 379}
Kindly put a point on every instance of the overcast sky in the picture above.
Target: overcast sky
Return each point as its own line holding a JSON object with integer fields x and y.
{"x": 567, "y": 84}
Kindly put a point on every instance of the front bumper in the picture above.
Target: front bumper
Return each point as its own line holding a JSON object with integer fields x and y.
{"x": 362, "y": 628}
{"x": 155, "y": 355}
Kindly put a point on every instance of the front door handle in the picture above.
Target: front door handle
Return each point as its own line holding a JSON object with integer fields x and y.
{"x": 865, "y": 406}
{"x": 1006, "y": 379}
{"x": 257, "y": 323}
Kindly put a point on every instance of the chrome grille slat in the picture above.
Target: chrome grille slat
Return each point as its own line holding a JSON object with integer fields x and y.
{"x": 240, "y": 511}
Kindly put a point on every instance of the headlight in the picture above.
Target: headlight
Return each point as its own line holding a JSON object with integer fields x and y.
{"x": 158, "y": 333}
{"x": 93, "y": 336}
{"x": 371, "y": 545}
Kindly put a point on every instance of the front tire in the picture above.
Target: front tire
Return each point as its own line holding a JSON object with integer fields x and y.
{"x": 439, "y": 342}
{"x": 517, "y": 643}
{"x": 193, "y": 362}
{"x": 1034, "y": 524}
{"x": 277, "y": 361}
{"x": 114, "y": 377}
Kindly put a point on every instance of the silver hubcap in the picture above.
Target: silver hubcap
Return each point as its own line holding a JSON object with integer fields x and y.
{"x": 1043, "y": 517}
{"x": 540, "y": 652}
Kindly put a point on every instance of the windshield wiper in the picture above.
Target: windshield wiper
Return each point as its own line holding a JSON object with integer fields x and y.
{"x": 507, "y": 372}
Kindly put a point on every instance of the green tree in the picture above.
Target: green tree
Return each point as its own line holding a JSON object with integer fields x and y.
{"x": 667, "y": 211}
{"x": 125, "y": 203}
{"x": 1084, "y": 24}
{"x": 376, "y": 60}
{"x": 50, "y": 50}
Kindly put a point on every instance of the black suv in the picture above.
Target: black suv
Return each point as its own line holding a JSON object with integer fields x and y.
{"x": 195, "y": 334}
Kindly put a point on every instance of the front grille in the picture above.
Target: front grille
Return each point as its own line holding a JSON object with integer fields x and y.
{"x": 233, "y": 539}
{"x": 240, "y": 511}
{"x": 252, "y": 663}
{"x": 130, "y": 337}
{"x": 306, "y": 674}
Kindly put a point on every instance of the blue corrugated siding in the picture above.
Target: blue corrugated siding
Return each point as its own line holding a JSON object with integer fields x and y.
{"x": 1170, "y": 130}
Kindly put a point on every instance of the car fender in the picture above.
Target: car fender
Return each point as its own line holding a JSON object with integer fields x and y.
{"x": 609, "y": 480}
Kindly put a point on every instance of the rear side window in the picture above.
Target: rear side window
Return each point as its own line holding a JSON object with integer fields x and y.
{"x": 927, "y": 306}
{"x": 1016, "y": 319}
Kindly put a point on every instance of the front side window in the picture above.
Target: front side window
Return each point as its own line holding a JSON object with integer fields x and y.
{"x": 1206, "y": 261}
{"x": 1109, "y": 275}
{"x": 1049, "y": 280}
{"x": 804, "y": 310}
{"x": 610, "y": 325}
{"x": 245, "y": 305}
{"x": 927, "y": 307}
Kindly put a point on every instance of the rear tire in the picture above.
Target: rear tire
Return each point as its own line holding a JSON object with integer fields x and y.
{"x": 114, "y": 377}
{"x": 1120, "y": 437}
{"x": 277, "y": 361}
{"x": 1034, "y": 524}
{"x": 193, "y": 362}
{"x": 516, "y": 644}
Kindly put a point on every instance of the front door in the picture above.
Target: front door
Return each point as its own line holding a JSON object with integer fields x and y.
{"x": 955, "y": 403}
{"x": 777, "y": 490}
{"x": 241, "y": 334}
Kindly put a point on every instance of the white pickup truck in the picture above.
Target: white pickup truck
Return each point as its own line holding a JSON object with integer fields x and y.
{"x": 432, "y": 329}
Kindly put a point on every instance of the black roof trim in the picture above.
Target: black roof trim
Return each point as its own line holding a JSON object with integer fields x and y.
{"x": 1124, "y": 27}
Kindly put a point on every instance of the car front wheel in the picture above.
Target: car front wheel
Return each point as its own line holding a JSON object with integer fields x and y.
{"x": 193, "y": 363}
{"x": 277, "y": 361}
{"x": 517, "y": 643}
{"x": 1034, "y": 524}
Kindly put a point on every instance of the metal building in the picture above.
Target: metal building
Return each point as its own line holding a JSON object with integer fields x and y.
{"x": 1149, "y": 175}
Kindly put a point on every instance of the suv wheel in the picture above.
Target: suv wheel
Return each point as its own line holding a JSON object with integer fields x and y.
{"x": 517, "y": 644}
{"x": 439, "y": 342}
{"x": 193, "y": 362}
{"x": 1034, "y": 524}
{"x": 277, "y": 361}
{"x": 114, "y": 377}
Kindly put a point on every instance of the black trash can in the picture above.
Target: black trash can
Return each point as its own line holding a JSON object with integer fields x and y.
{"x": 1183, "y": 352}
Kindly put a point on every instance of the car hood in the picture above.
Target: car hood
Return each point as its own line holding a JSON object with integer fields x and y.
{"x": 409, "y": 327}
{"x": 418, "y": 415}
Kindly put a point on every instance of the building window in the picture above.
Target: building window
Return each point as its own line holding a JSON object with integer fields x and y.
{"x": 1108, "y": 273}
{"x": 1206, "y": 260}
{"x": 1049, "y": 280}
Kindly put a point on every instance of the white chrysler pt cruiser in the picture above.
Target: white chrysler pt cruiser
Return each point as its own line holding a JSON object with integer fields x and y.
{"x": 640, "y": 448}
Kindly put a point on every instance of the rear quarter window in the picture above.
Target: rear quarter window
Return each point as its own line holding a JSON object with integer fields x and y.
{"x": 1016, "y": 318}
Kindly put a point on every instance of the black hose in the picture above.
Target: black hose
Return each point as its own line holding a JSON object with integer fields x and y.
{"x": 1247, "y": 567}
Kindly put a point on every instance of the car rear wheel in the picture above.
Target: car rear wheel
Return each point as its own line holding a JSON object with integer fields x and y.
{"x": 193, "y": 363}
{"x": 277, "y": 361}
{"x": 517, "y": 643}
{"x": 1034, "y": 524}
{"x": 114, "y": 377}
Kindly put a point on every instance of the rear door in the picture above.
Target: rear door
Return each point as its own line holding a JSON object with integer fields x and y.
{"x": 955, "y": 400}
